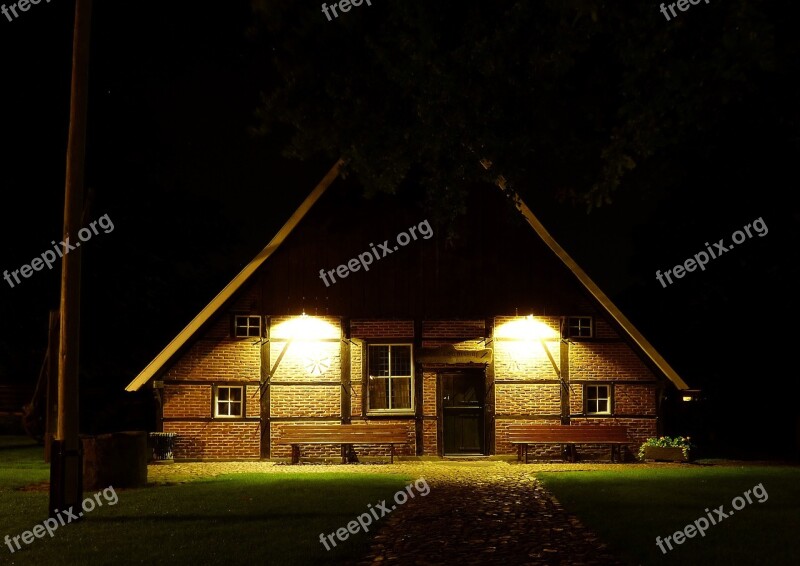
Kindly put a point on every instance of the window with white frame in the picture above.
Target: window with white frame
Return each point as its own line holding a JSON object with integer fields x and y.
{"x": 246, "y": 325}
{"x": 579, "y": 327}
{"x": 598, "y": 399}
{"x": 391, "y": 380}
{"x": 228, "y": 401}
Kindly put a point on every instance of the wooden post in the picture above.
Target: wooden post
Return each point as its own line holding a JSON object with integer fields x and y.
{"x": 65, "y": 471}
{"x": 51, "y": 395}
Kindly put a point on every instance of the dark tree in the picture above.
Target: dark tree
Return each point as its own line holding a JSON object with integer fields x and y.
{"x": 569, "y": 95}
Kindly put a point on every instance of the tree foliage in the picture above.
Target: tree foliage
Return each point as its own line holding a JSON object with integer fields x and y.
{"x": 569, "y": 94}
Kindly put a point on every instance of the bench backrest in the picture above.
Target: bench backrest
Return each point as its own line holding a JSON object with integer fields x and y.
{"x": 344, "y": 434}
{"x": 566, "y": 433}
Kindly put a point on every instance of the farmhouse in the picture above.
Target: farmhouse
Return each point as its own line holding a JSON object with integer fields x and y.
{"x": 453, "y": 340}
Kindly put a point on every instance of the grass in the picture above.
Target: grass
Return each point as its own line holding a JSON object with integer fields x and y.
{"x": 230, "y": 519}
{"x": 630, "y": 506}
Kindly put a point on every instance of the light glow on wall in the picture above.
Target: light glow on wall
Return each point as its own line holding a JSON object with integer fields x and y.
{"x": 314, "y": 341}
{"x": 522, "y": 338}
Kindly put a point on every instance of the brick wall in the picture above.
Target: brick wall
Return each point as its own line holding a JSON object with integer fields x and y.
{"x": 216, "y": 439}
{"x": 605, "y": 361}
{"x": 602, "y": 329}
{"x": 314, "y": 355}
{"x": 526, "y": 363}
{"x": 357, "y": 354}
{"x": 518, "y": 357}
{"x": 635, "y": 399}
{"x": 378, "y": 329}
{"x": 307, "y": 381}
{"x": 429, "y": 405}
{"x": 187, "y": 401}
{"x": 453, "y": 329}
{"x": 218, "y": 358}
{"x": 527, "y": 399}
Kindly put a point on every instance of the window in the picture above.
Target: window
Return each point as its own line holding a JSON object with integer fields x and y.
{"x": 229, "y": 401}
{"x": 246, "y": 325}
{"x": 390, "y": 378}
{"x": 598, "y": 399}
{"x": 579, "y": 327}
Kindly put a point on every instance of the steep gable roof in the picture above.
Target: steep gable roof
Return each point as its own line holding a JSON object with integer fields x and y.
{"x": 606, "y": 303}
{"x": 226, "y": 295}
{"x": 166, "y": 355}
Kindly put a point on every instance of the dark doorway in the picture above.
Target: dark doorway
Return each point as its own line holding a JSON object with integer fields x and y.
{"x": 462, "y": 398}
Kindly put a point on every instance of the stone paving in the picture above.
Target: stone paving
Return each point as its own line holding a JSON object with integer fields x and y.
{"x": 479, "y": 512}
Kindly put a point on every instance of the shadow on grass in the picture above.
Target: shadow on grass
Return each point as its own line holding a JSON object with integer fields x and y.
{"x": 231, "y": 519}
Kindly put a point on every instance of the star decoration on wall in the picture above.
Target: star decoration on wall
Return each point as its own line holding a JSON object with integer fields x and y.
{"x": 317, "y": 364}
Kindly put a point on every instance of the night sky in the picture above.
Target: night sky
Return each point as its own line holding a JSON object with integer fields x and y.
{"x": 193, "y": 196}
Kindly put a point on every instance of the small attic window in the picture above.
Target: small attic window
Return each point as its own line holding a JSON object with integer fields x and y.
{"x": 579, "y": 327}
{"x": 245, "y": 326}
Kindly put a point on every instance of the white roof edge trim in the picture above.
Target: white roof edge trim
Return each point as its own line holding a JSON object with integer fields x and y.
{"x": 648, "y": 349}
{"x": 236, "y": 283}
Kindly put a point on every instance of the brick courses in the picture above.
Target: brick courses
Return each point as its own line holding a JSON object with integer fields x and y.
{"x": 525, "y": 385}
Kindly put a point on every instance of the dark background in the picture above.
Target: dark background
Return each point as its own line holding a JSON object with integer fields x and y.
{"x": 193, "y": 197}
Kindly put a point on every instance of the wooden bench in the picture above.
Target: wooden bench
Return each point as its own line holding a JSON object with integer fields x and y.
{"x": 525, "y": 435}
{"x": 345, "y": 435}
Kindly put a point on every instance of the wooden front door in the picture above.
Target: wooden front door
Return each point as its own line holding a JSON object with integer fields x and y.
{"x": 462, "y": 401}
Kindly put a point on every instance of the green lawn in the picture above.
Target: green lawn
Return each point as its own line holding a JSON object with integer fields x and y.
{"x": 232, "y": 519}
{"x": 632, "y": 505}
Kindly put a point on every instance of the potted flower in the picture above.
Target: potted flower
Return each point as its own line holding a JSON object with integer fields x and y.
{"x": 673, "y": 449}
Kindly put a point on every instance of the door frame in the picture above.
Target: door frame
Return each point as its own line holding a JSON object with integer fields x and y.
{"x": 481, "y": 371}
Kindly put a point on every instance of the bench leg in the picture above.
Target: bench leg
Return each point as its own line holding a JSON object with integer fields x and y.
{"x": 295, "y": 454}
{"x": 526, "y": 453}
{"x": 343, "y": 449}
{"x": 391, "y": 454}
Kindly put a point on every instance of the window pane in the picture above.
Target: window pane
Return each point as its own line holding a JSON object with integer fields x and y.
{"x": 602, "y": 406}
{"x": 222, "y": 393}
{"x": 379, "y": 360}
{"x": 378, "y": 393}
{"x": 401, "y": 393}
{"x": 591, "y": 393}
{"x": 401, "y": 360}
{"x": 236, "y": 394}
{"x": 222, "y": 408}
{"x": 236, "y": 409}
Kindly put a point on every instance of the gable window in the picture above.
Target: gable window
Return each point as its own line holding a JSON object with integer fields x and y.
{"x": 246, "y": 325}
{"x": 598, "y": 399}
{"x": 579, "y": 327}
{"x": 390, "y": 378}
{"x": 228, "y": 401}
